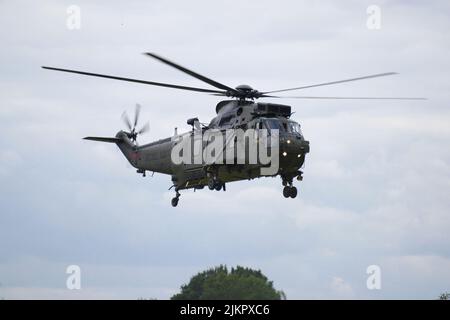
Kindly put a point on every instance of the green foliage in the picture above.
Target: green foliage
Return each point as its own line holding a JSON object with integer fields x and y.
{"x": 444, "y": 296}
{"x": 218, "y": 283}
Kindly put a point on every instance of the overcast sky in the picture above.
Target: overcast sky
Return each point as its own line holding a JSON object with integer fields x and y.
{"x": 376, "y": 183}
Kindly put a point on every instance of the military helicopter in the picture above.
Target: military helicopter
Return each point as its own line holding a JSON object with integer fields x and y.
{"x": 240, "y": 111}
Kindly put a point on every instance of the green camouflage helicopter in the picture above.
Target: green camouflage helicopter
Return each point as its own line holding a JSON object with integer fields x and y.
{"x": 240, "y": 115}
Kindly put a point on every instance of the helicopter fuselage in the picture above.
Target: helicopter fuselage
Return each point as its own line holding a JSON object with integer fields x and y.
{"x": 231, "y": 115}
{"x": 243, "y": 116}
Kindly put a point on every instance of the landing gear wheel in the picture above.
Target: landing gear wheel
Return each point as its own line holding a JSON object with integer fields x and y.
{"x": 211, "y": 184}
{"x": 293, "y": 192}
{"x": 175, "y": 199}
{"x": 218, "y": 186}
{"x": 287, "y": 191}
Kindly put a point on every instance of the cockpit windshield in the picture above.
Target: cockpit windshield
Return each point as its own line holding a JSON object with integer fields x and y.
{"x": 282, "y": 126}
{"x": 294, "y": 127}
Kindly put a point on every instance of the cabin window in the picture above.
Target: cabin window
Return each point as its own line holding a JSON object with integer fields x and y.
{"x": 225, "y": 120}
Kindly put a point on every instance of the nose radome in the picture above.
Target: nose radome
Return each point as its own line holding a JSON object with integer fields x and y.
{"x": 293, "y": 147}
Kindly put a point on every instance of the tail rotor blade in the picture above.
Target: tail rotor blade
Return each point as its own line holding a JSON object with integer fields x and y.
{"x": 126, "y": 120}
{"x": 144, "y": 129}
{"x": 136, "y": 114}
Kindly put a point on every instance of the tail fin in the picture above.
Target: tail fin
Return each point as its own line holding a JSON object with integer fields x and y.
{"x": 124, "y": 143}
{"x": 103, "y": 139}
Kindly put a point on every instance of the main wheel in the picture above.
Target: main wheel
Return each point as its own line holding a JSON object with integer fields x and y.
{"x": 174, "y": 202}
{"x": 286, "y": 191}
{"x": 218, "y": 186}
{"x": 211, "y": 184}
{"x": 293, "y": 192}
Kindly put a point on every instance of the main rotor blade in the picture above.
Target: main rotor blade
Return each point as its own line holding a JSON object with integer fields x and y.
{"x": 191, "y": 73}
{"x": 160, "y": 84}
{"x": 346, "y": 98}
{"x": 335, "y": 82}
{"x": 126, "y": 120}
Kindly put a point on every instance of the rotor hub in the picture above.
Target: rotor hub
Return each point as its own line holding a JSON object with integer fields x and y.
{"x": 244, "y": 91}
{"x": 244, "y": 87}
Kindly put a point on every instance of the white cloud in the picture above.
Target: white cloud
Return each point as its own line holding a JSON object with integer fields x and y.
{"x": 341, "y": 288}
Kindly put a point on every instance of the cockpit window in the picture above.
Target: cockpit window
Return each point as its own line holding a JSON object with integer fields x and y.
{"x": 274, "y": 124}
{"x": 294, "y": 127}
{"x": 282, "y": 126}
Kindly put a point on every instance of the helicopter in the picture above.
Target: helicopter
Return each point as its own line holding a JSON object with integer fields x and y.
{"x": 241, "y": 113}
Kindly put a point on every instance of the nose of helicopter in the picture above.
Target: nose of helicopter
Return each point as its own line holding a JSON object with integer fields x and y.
{"x": 292, "y": 148}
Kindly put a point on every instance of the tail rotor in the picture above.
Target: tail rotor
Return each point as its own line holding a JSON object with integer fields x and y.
{"x": 133, "y": 133}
